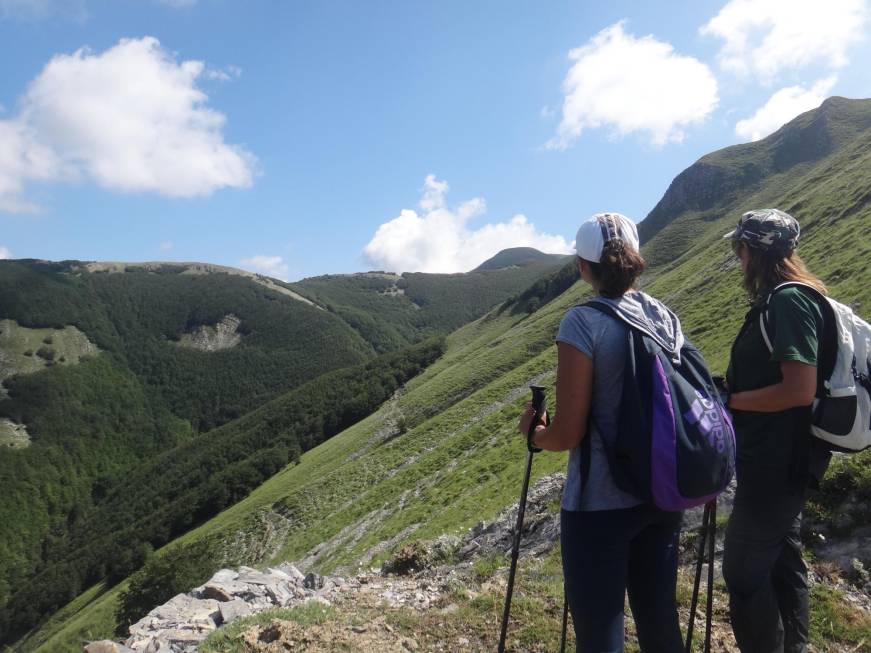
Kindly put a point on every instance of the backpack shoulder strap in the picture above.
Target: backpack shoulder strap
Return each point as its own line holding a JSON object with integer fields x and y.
{"x": 827, "y": 340}
{"x": 765, "y": 322}
{"x": 586, "y": 449}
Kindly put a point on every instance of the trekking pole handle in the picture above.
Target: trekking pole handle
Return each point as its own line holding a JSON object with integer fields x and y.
{"x": 538, "y": 398}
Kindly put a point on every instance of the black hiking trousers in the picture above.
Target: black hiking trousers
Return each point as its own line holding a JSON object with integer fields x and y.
{"x": 607, "y": 552}
{"x": 765, "y": 573}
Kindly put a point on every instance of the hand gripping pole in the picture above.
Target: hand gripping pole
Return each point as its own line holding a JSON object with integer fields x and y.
{"x": 537, "y": 406}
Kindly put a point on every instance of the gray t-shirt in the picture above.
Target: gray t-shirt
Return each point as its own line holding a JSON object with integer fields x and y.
{"x": 603, "y": 339}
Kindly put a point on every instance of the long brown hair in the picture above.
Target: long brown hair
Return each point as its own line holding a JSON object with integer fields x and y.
{"x": 768, "y": 268}
{"x": 618, "y": 270}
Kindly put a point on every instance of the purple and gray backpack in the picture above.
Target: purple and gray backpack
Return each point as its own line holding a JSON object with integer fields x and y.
{"x": 675, "y": 444}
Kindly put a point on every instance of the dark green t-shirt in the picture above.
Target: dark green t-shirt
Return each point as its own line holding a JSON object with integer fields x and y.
{"x": 772, "y": 447}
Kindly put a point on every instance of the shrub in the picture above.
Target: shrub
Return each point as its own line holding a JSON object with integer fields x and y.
{"x": 45, "y": 353}
{"x": 162, "y": 577}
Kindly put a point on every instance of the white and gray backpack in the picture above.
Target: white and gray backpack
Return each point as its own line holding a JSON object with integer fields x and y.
{"x": 842, "y": 407}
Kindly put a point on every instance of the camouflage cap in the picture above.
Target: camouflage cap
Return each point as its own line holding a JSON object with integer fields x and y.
{"x": 767, "y": 229}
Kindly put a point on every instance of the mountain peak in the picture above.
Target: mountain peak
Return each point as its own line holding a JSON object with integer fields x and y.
{"x": 722, "y": 176}
{"x": 517, "y": 257}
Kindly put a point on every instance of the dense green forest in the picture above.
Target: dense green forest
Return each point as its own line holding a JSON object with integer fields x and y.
{"x": 184, "y": 485}
{"x": 90, "y": 423}
{"x": 93, "y": 422}
{"x": 390, "y": 311}
{"x": 138, "y": 316}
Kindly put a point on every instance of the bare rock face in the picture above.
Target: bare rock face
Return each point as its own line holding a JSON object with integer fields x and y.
{"x": 540, "y": 531}
{"x": 223, "y": 335}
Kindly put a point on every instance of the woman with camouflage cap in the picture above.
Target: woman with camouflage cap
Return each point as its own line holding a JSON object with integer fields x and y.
{"x": 772, "y": 389}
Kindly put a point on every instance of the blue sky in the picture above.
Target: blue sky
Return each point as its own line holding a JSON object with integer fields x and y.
{"x": 304, "y": 138}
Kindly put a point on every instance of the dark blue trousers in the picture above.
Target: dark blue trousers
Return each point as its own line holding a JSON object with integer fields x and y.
{"x": 609, "y": 552}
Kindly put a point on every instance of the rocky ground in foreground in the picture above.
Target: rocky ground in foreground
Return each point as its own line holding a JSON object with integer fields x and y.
{"x": 447, "y": 595}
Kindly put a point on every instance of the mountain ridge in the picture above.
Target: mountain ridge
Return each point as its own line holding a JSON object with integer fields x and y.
{"x": 718, "y": 177}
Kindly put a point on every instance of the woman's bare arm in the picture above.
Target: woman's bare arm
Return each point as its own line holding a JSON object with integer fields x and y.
{"x": 574, "y": 388}
{"x": 798, "y": 388}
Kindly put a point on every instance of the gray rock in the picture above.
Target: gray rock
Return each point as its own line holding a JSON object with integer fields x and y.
{"x": 232, "y": 610}
{"x": 106, "y": 646}
{"x": 255, "y": 578}
{"x": 185, "y": 608}
{"x": 224, "y": 576}
{"x": 294, "y": 573}
{"x": 277, "y": 572}
{"x": 216, "y": 592}
{"x": 281, "y": 593}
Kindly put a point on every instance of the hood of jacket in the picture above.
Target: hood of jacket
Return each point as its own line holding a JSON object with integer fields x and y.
{"x": 650, "y": 315}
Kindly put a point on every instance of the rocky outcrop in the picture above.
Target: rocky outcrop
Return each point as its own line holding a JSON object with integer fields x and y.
{"x": 13, "y": 435}
{"x": 223, "y": 335}
{"x": 540, "y": 531}
{"x": 187, "y": 619}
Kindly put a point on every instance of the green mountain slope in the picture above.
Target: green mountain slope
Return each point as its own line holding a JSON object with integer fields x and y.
{"x": 190, "y": 482}
{"x": 442, "y": 455}
{"x": 107, "y": 365}
{"x": 135, "y": 391}
{"x": 390, "y": 310}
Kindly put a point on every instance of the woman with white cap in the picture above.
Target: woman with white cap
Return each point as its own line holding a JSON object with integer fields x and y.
{"x": 611, "y": 540}
{"x": 772, "y": 379}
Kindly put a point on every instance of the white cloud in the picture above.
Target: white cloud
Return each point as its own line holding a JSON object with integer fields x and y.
{"x": 166, "y": 246}
{"x": 223, "y": 74}
{"x": 271, "y": 266}
{"x": 764, "y": 37}
{"x": 633, "y": 85}
{"x": 131, "y": 119}
{"x": 782, "y": 107}
{"x": 23, "y": 159}
{"x": 4, "y": 252}
{"x": 439, "y": 239}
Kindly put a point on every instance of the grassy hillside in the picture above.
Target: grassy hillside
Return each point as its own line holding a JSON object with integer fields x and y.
{"x": 443, "y": 455}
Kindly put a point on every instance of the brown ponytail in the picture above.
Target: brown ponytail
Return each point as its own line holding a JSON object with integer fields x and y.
{"x": 768, "y": 268}
{"x": 618, "y": 270}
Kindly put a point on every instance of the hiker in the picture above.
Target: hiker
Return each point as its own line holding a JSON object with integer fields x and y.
{"x": 777, "y": 459}
{"x": 611, "y": 540}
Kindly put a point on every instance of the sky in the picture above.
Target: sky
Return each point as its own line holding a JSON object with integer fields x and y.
{"x": 303, "y": 137}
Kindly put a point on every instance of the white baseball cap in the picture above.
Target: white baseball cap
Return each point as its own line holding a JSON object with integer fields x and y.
{"x": 602, "y": 227}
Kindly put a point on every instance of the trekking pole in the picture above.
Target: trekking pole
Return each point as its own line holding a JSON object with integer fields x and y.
{"x": 712, "y": 540}
{"x": 538, "y": 408}
{"x": 707, "y": 528}
{"x": 562, "y": 641}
